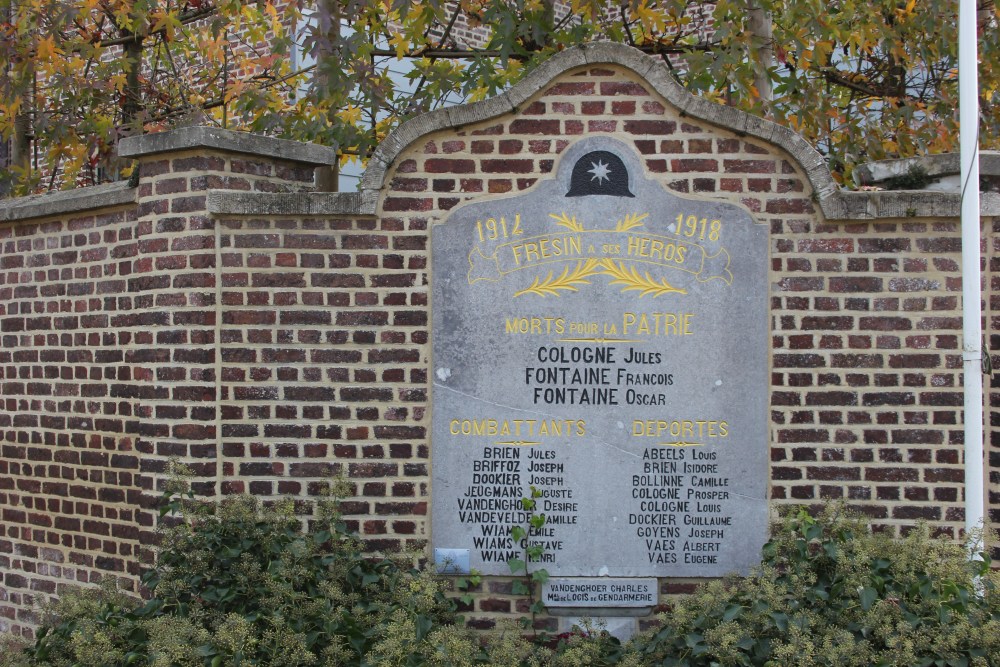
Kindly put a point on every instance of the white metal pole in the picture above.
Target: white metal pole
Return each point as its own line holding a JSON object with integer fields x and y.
{"x": 972, "y": 329}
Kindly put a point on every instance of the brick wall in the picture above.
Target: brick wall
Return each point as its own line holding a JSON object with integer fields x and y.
{"x": 274, "y": 344}
{"x": 68, "y": 459}
{"x": 108, "y": 329}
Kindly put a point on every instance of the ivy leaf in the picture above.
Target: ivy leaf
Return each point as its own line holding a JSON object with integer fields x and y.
{"x": 423, "y": 625}
{"x": 868, "y": 597}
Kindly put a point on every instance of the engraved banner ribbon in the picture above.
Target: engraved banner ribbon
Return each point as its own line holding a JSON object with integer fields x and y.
{"x": 662, "y": 251}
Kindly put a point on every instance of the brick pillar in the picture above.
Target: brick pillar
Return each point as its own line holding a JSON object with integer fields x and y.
{"x": 176, "y": 289}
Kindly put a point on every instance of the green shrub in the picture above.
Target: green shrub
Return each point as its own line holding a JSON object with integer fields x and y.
{"x": 241, "y": 584}
{"x": 829, "y": 592}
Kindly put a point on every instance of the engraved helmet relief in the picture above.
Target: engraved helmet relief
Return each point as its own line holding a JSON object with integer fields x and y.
{"x": 599, "y": 173}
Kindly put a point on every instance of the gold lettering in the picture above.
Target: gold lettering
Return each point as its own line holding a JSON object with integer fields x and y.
{"x": 519, "y": 428}
{"x": 534, "y": 325}
{"x": 516, "y": 251}
{"x": 680, "y": 428}
{"x": 575, "y": 245}
{"x": 544, "y": 245}
{"x": 657, "y": 324}
{"x": 656, "y": 249}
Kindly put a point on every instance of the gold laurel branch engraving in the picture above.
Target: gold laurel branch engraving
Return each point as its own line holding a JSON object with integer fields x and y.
{"x": 517, "y": 443}
{"x": 645, "y": 285}
{"x": 682, "y": 444}
{"x": 567, "y": 280}
{"x": 630, "y": 221}
{"x": 569, "y": 223}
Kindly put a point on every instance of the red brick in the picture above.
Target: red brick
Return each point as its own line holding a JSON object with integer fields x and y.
{"x": 450, "y": 165}
{"x": 612, "y": 88}
{"x": 571, "y": 88}
{"x": 525, "y": 126}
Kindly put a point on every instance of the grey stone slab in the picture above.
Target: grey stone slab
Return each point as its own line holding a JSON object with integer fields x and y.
{"x": 989, "y": 203}
{"x": 934, "y": 165}
{"x": 846, "y": 205}
{"x": 612, "y": 52}
{"x": 410, "y": 132}
{"x": 728, "y": 117}
{"x": 369, "y": 201}
{"x": 989, "y": 163}
{"x": 467, "y": 114}
{"x": 228, "y": 202}
{"x": 601, "y": 343}
{"x": 663, "y": 82}
{"x": 839, "y": 206}
{"x": 67, "y": 201}
{"x": 908, "y": 204}
{"x": 188, "y": 138}
{"x": 902, "y": 204}
{"x": 761, "y": 128}
{"x": 943, "y": 169}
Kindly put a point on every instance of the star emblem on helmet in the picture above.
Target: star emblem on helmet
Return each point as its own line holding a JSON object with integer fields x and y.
{"x": 600, "y": 172}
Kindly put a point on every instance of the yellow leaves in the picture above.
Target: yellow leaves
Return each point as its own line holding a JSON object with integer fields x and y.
{"x": 644, "y": 283}
{"x": 213, "y": 48}
{"x": 654, "y": 21}
{"x": 383, "y": 127}
{"x": 400, "y": 44}
{"x": 167, "y": 21}
{"x": 277, "y": 27}
{"x": 350, "y": 115}
{"x": 123, "y": 17}
{"x": 568, "y": 280}
{"x": 344, "y": 159}
{"x": 46, "y": 48}
{"x": 805, "y": 59}
{"x": 234, "y": 90}
{"x": 904, "y": 13}
{"x": 629, "y": 222}
{"x": 8, "y": 113}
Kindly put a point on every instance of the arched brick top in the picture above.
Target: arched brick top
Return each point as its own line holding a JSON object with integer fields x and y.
{"x": 651, "y": 70}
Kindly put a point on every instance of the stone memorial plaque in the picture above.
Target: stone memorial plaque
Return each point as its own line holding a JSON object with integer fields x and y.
{"x": 603, "y": 341}
{"x": 600, "y": 592}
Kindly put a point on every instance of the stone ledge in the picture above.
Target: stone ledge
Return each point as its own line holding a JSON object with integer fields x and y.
{"x": 848, "y": 206}
{"x": 228, "y": 202}
{"x": 188, "y": 138}
{"x": 944, "y": 164}
{"x": 67, "y": 201}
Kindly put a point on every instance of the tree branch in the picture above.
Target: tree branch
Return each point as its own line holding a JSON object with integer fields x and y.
{"x": 837, "y": 77}
{"x": 184, "y": 19}
{"x": 219, "y": 101}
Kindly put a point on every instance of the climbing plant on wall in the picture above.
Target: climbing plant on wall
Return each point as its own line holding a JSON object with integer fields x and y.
{"x": 860, "y": 80}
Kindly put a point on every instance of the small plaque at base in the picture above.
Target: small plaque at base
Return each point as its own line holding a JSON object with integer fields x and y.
{"x": 600, "y": 592}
